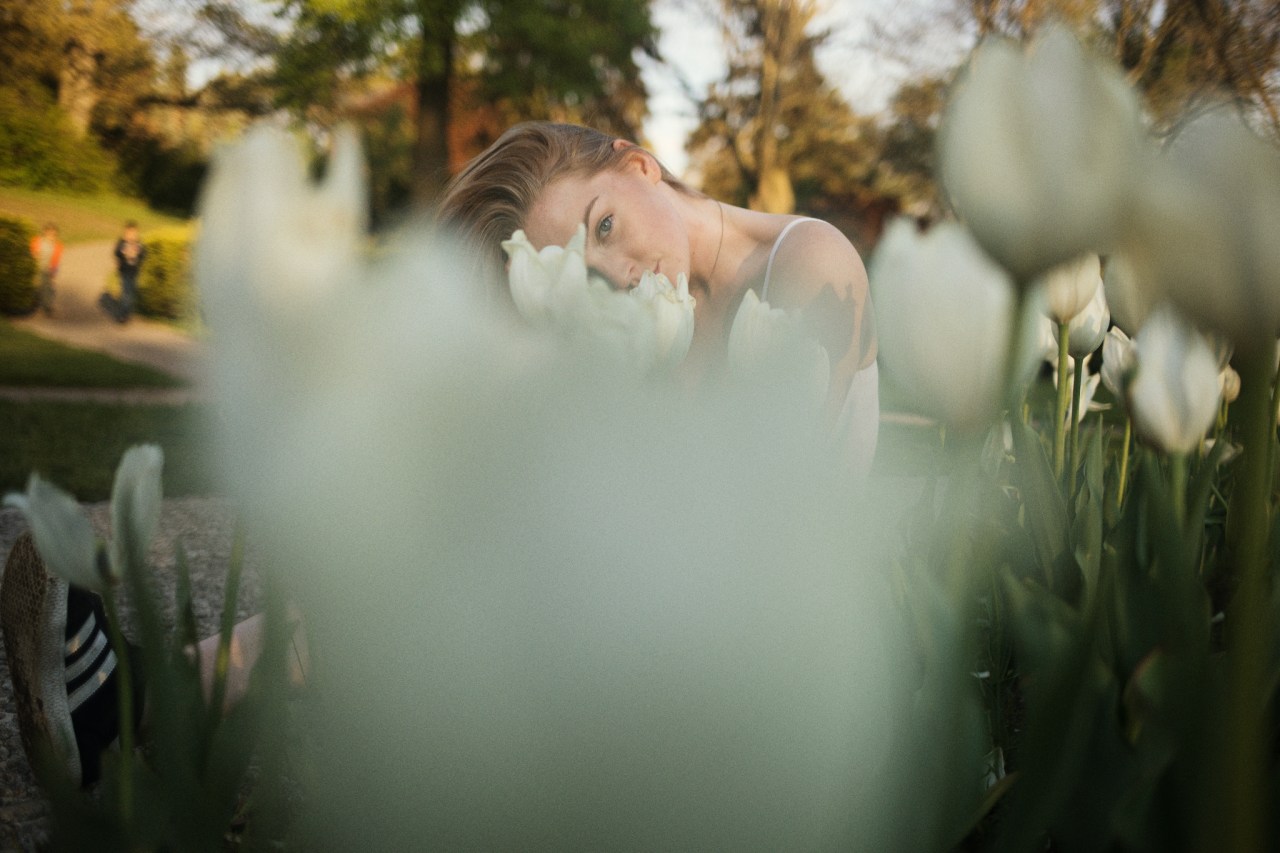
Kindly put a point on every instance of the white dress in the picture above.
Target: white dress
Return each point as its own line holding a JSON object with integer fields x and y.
{"x": 858, "y": 426}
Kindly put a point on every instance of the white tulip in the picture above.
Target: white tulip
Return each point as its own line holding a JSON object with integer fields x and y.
{"x": 1229, "y": 381}
{"x": 1204, "y": 225}
{"x": 1069, "y": 288}
{"x": 62, "y": 533}
{"x": 1087, "y": 329}
{"x": 1174, "y": 394}
{"x": 1129, "y": 299}
{"x": 135, "y": 504}
{"x": 672, "y": 309}
{"x": 548, "y": 286}
{"x": 944, "y": 312}
{"x": 1037, "y": 150}
{"x": 1117, "y": 361}
{"x": 771, "y": 341}
{"x": 64, "y": 536}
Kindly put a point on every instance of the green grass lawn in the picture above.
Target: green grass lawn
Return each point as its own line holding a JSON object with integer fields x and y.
{"x": 81, "y": 218}
{"x": 29, "y": 360}
{"x": 77, "y": 445}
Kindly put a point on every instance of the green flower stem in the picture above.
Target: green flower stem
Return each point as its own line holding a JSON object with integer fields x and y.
{"x": 1240, "y": 815}
{"x": 1059, "y": 425}
{"x": 124, "y": 695}
{"x": 1124, "y": 460}
{"x": 1074, "y": 456}
{"x": 1178, "y": 486}
{"x": 1013, "y": 400}
{"x": 1275, "y": 416}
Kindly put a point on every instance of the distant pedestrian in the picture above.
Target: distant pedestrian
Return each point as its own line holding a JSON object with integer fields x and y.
{"x": 46, "y": 248}
{"x": 130, "y": 253}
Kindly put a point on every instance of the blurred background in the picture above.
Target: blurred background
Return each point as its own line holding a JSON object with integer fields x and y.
{"x": 111, "y": 109}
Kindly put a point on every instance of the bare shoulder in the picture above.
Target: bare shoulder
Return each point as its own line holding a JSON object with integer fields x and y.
{"x": 815, "y": 261}
{"x": 818, "y": 273}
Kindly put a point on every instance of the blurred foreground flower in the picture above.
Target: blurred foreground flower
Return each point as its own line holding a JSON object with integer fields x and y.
{"x": 1174, "y": 394}
{"x": 944, "y": 315}
{"x": 1037, "y": 150}
{"x": 1203, "y": 230}
{"x": 544, "y": 608}
{"x": 64, "y": 536}
{"x": 765, "y": 340}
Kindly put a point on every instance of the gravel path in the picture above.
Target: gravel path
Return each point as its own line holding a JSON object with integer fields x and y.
{"x": 205, "y": 528}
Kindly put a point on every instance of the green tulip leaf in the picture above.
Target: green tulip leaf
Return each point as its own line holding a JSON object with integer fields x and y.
{"x": 1043, "y": 504}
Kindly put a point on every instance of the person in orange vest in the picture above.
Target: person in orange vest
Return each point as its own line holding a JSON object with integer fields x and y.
{"x": 46, "y": 248}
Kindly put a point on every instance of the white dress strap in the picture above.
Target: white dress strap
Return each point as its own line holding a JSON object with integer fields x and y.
{"x": 768, "y": 270}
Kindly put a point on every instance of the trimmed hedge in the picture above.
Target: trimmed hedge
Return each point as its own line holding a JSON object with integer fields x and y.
{"x": 165, "y": 287}
{"x": 18, "y": 289}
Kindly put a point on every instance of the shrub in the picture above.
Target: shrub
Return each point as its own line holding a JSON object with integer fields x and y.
{"x": 164, "y": 284}
{"x": 17, "y": 268}
{"x": 39, "y": 150}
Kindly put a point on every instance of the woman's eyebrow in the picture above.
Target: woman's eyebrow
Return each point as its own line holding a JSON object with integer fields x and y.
{"x": 586, "y": 217}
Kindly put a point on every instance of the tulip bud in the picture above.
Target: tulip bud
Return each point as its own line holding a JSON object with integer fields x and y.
{"x": 1229, "y": 381}
{"x": 1037, "y": 151}
{"x": 1117, "y": 361}
{"x": 943, "y": 313}
{"x": 1175, "y": 391}
{"x": 1070, "y": 287}
{"x": 62, "y": 533}
{"x": 1087, "y": 329}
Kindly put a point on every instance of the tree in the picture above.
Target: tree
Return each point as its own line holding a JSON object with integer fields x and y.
{"x": 772, "y": 92}
{"x": 529, "y": 56}
{"x": 1181, "y": 54}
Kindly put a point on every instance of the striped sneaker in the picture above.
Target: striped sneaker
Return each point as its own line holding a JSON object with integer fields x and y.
{"x": 62, "y": 665}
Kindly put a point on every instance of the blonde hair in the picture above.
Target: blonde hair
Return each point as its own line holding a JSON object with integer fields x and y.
{"x": 491, "y": 197}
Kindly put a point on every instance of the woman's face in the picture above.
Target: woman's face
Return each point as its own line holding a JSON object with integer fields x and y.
{"x": 633, "y": 225}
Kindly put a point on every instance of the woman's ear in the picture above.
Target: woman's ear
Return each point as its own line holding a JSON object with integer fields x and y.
{"x": 639, "y": 158}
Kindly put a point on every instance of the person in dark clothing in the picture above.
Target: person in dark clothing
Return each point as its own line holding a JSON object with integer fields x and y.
{"x": 130, "y": 253}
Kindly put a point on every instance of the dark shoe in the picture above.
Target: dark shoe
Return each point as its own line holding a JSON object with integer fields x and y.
{"x": 62, "y": 665}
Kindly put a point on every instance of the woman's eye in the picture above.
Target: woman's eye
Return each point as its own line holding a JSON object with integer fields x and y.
{"x": 604, "y": 226}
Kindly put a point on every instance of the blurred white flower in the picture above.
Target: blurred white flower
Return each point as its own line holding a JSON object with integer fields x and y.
{"x": 1174, "y": 395}
{"x": 62, "y": 533}
{"x": 66, "y": 540}
{"x": 1229, "y": 381}
{"x": 558, "y": 571}
{"x": 944, "y": 313}
{"x": 1203, "y": 226}
{"x": 766, "y": 341}
{"x": 1087, "y": 329}
{"x": 1117, "y": 362}
{"x": 1069, "y": 288}
{"x": 135, "y": 504}
{"x": 1130, "y": 301}
{"x": 1037, "y": 150}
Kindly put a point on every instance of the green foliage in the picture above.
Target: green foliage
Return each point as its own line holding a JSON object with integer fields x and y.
{"x": 187, "y": 794}
{"x": 165, "y": 287}
{"x": 39, "y": 150}
{"x": 82, "y": 217}
{"x": 70, "y": 443}
{"x": 18, "y": 294}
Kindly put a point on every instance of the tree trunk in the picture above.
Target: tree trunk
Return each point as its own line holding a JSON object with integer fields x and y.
{"x": 435, "y": 80}
{"x": 77, "y": 87}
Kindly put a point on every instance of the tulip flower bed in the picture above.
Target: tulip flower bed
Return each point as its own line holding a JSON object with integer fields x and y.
{"x": 555, "y": 602}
